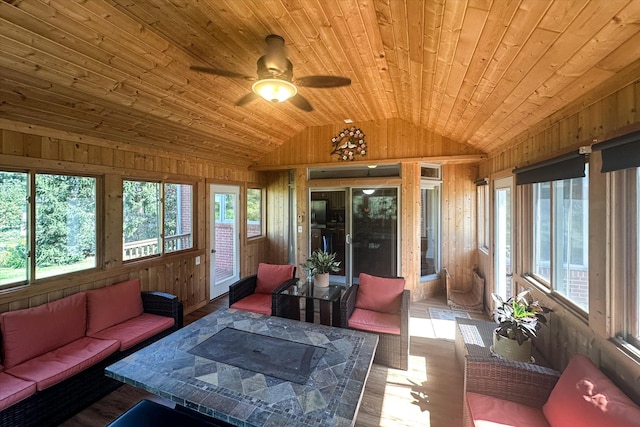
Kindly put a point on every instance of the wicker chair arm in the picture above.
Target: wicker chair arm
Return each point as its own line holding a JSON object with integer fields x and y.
{"x": 242, "y": 288}
{"x": 280, "y": 302}
{"x": 404, "y": 311}
{"x": 519, "y": 382}
{"x": 163, "y": 304}
{"x": 348, "y": 304}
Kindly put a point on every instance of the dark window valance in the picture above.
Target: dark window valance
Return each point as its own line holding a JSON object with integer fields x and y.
{"x": 481, "y": 181}
{"x": 619, "y": 153}
{"x": 568, "y": 166}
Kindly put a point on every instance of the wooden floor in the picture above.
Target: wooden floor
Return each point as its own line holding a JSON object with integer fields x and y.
{"x": 429, "y": 393}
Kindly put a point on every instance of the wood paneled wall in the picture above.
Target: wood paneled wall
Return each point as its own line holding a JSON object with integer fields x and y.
{"x": 278, "y": 217}
{"x": 459, "y": 243}
{"x": 175, "y": 273}
{"x": 579, "y": 124}
{"x": 458, "y": 222}
{"x": 392, "y": 139}
{"x": 584, "y": 122}
{"x": 386, "y": 140}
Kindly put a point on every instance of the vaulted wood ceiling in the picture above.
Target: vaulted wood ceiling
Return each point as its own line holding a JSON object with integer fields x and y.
{"x": 477, "y": 71}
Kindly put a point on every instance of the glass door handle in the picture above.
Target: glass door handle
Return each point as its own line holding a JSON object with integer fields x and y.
{"x": 347, "y": 239}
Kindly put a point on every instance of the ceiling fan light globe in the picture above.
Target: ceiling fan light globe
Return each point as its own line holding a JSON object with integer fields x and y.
{"x": 274, "y": 90}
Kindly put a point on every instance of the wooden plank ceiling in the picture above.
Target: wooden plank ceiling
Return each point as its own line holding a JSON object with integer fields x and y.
{"x": 477, "y": 71}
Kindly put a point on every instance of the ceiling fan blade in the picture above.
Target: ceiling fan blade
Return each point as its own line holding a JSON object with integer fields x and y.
{"x": 246, "y": 99}
{"x": 223, "y": 73}
{"x": 323, "y": 81}
{"x": 301, "y": 102}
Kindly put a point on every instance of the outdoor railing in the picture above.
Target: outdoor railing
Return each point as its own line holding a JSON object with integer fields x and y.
{"x": 143, "y": 248}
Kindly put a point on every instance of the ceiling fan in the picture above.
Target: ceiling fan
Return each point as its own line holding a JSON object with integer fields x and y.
{"x": 275, "y": 81}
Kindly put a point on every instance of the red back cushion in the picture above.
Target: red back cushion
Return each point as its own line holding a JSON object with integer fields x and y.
{"x": 112, "y": 305}
{"x": 380, "y": 294}
{"x": 34, "y": 331}
{"x": 585, "y": 397}
{"x": 270, "y": 276}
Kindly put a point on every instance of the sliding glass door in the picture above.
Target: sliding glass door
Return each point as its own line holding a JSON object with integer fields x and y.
{"x": 360, "y": 225}
{"x": 374, "y": 243}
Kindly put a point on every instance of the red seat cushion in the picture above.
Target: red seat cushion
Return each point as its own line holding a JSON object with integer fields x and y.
{"x": 257, "y": 303}
{"x": 380, "y": 293}
{"x": 13, "y": 390}
{"x": 34, "y": 331}
{"x": 64, "y": 362}
{"x": 134, "y": 331}
{"x": 585, "y": 397}
{"x": 114, "y": 304}
{"x": 373, "y": 321}
{"x": 271, "y": 276}
{"x": 488, "y": 411}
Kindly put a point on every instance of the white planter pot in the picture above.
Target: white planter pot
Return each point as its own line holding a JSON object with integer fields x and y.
{"x": 321, "y": 280}
{"x": 510, "y": 349}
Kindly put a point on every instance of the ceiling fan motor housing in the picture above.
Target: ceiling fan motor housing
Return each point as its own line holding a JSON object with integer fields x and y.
{"x": 275, "y": 67}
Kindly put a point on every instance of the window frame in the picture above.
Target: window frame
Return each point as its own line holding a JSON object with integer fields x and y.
{"x": 425, "y": 184}
{"x": 161, "y": 245}
{"x": 624, "y": 190}
{"x": 483, "y": 201}
{"x": 528, "y": 219}
{"x": 31, "y": 223}
{"x": 262, "y": 214}
{"x": 193, "y": 215}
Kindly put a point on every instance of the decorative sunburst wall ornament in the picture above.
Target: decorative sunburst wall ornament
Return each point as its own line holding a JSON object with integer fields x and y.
{"x": 349, "y": 143}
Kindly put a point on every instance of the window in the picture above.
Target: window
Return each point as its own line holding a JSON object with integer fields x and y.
{"x": 143, "y": 222}
{"x": 178, "y": 217}
{"x": 625, "y": 188}
{"x": 254, "y": 212}
{"x": 64, "y": 232}
{"x": 225, "y": 211}
{"x": 621, "y": 162}
{"x": 482, "y": 193}
{"x": 560, "y": 238}
{"x": 430, "y": 220}
{"x": 429, "y": 231}
{"x": 13, "y": 228}
{"x": 635, "y": 298}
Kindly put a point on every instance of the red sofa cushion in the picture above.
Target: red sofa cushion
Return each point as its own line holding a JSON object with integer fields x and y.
{"x": 373, "y": 321}
{"x": 30, "y": 332}
{"x": 257, "y": 303}
{"x": 134, "y": 331}
{"x": 380, "y": 293}
{"x": 271, "y": 276}
{"x": 585, "y": 397}
{"x": 114, "y": 304}
{"x": 13, "y": 390}
{"x": 489, "y": 411}
{"x": 64, "y": 362}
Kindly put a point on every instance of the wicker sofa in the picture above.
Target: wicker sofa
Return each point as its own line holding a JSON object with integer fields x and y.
{"x": 54, "y": 355}
{"x": 499, "y": 392}
{"x": 380, "y": 305}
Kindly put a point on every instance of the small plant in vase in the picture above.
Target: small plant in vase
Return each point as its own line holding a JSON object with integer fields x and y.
{"x": 319, "y": 264}
{"x": 519, "y": 320}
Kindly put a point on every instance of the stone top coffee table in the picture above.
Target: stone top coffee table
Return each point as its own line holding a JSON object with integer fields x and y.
{"x": 186, "y": 368}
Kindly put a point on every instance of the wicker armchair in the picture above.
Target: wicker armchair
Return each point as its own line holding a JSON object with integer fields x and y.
{"x": 518, "y": 382}
{"x": 245, "y": 294}
{"x": 392, "y": 350}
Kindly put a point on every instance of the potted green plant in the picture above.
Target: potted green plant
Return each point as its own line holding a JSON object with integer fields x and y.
{"x": 519, "y": 320}
{"x": 319, "y": 264}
